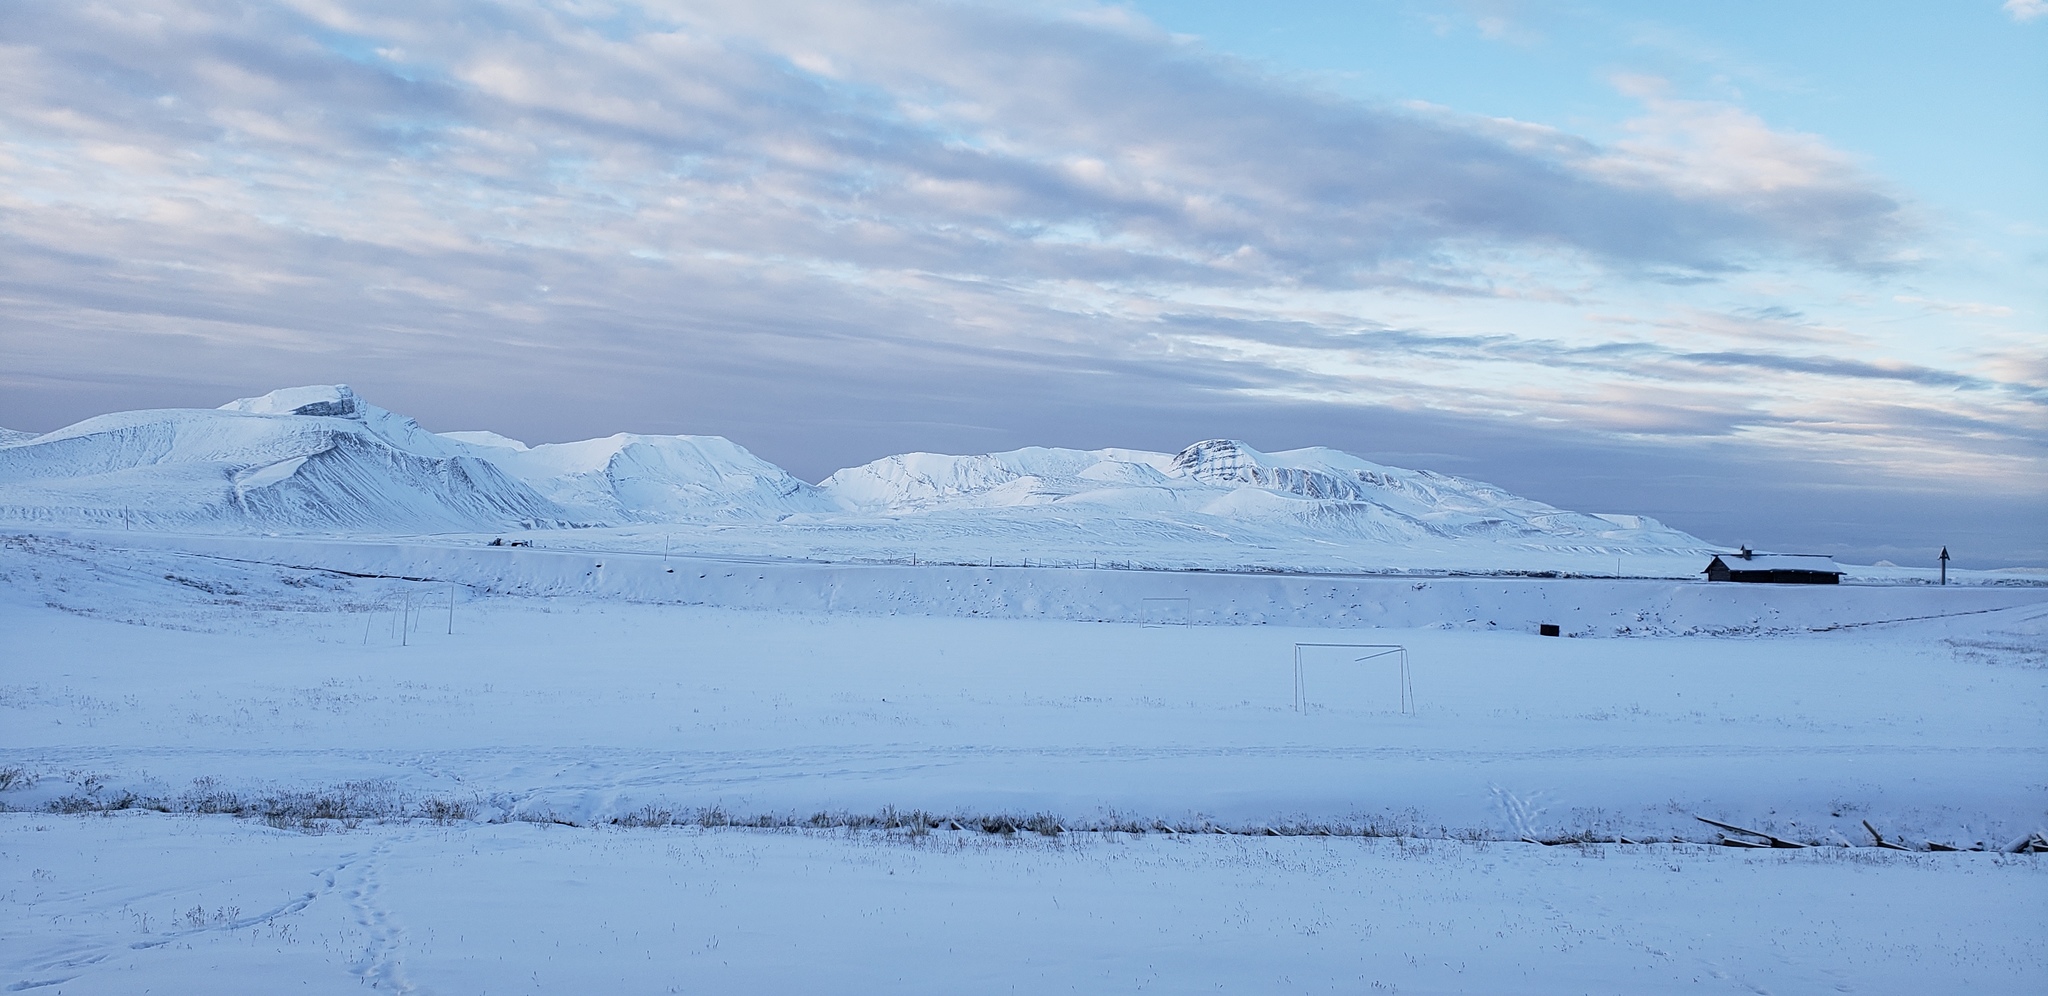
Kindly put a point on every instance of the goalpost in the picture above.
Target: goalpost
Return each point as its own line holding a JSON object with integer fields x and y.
{"x": 1169, "y": 612}
{"x": 1374, "y": 651}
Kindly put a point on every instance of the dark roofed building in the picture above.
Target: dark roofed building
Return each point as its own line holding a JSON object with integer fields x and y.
{"x": 1774, "y": 568}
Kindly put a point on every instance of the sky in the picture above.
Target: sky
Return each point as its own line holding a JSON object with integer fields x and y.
{"x": 1773, "y": 273}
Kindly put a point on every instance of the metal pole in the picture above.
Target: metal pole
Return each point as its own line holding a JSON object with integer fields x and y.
{"x": 1407, "y": 686}
{"x": 1297, "y": 679}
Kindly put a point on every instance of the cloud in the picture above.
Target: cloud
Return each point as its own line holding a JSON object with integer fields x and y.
{"x": 764, "y": 218}
{"x": 879, "y": 134}
{"x": 1833, "y": 367}
{"x": 1956, "y": 307}
{"x": 2026, "y": 10}
{"x": 1808, "y": 193}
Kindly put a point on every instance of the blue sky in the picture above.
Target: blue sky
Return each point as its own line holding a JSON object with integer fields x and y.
{"x": 1773, "y": 273}
{"x": 1944, "y": 98}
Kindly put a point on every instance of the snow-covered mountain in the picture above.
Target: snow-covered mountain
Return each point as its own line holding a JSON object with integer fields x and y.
{"x": 303, "y": 459}
{"x": 635, "y": 478}
{"x": 913, "y": 482}
{"x": 1317, "y": 490}
{"x": 321, "y": 459}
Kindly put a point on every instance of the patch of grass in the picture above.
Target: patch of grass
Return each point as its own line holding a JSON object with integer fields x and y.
{"x": 446, "y": 811}
{"x": 647, "y": 816}
{"x": 1044, "y": 825}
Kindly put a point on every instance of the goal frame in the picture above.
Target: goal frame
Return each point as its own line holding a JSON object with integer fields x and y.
{"x": 1147, "y": 619}
{"x": 1379, "y": 650}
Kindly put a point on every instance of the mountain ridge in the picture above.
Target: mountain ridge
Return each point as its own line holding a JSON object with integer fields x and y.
{"x": 321, "y": 458}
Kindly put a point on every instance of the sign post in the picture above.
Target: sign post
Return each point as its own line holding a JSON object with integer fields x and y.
{"x": 1944, "y": 565}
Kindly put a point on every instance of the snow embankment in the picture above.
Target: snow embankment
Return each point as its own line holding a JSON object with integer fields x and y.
{"x": 1583, "y": 607}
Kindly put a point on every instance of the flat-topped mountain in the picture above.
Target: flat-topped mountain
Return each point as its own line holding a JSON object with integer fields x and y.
{"x": 321, "y": 459}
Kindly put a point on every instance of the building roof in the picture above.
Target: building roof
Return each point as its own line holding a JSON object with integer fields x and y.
{"x": 1780, "y": 562}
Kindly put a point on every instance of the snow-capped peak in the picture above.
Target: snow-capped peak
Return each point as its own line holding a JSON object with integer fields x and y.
{"x": 325, "y": 400}
{"x": 632, "y": 477}
{"x": 484, "y": 437}
{"x": 341, "y": 401}
{"x": 1315, "y": 472}
{"x": 321, "y": 457}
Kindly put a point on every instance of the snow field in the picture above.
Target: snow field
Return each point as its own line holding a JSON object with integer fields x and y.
{"x": 401, "y": 784}
{"x": 134, "y": 903}
{"x": 588, "y": 709}
{"x": 589, "y": 563}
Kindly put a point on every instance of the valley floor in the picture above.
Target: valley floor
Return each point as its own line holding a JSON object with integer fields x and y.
{"x": 446, "y": 786}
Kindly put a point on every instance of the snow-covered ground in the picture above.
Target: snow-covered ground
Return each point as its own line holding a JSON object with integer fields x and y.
{"x": 546, "y": 798}
{"x": 297, "y": 695}
{"x": 133, "y": 904}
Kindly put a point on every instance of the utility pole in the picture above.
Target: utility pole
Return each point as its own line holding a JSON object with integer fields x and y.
{"x": 1944, "y": 565}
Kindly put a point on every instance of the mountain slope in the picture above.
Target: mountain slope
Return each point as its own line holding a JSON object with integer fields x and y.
{"x": 635, "y": 478}
{"x": 1319, "y": 491}
{"x": 312, "y": 459}
{"x": 321, "y": 459}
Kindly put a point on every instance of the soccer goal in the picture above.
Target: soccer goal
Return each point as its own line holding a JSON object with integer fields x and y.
{"x": 1365, "y": 653}
{"x": 1169, "y": 612}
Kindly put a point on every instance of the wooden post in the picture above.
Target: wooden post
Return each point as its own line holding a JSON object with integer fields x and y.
{"x": 1944, "y": 565}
